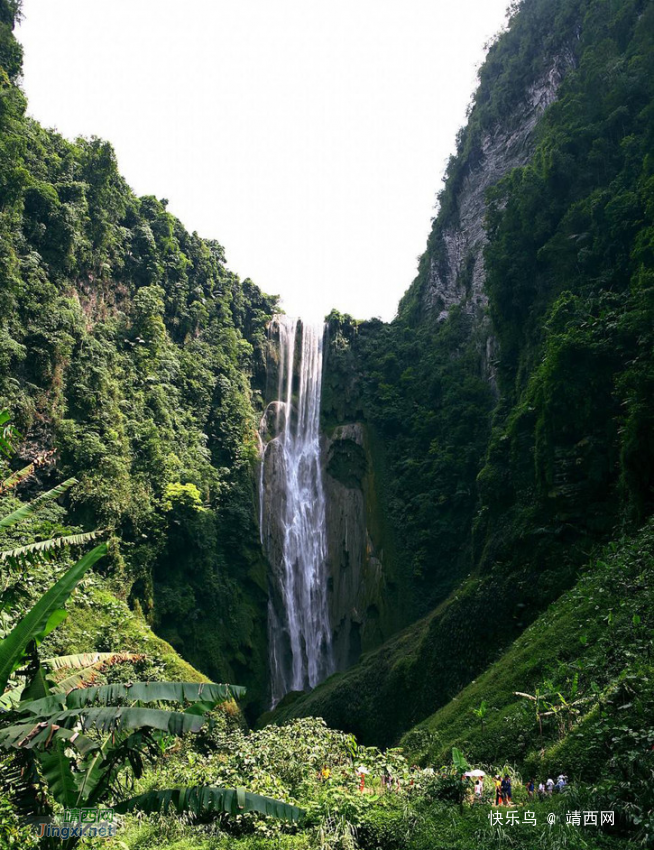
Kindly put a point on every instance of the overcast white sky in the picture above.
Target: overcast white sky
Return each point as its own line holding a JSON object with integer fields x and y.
{"x": 308, "y": 138}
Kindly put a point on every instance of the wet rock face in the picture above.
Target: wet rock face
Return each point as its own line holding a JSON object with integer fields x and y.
{"x": 274, "y": 503}
{"x": 457, "y": 272}
{"x": 273, "y": 421}
{"x": 357, "y": 581}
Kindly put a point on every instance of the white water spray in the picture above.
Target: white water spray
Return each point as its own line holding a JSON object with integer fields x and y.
{"x": 292, "y": 516}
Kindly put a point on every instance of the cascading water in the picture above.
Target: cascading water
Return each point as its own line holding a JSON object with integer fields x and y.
{"x": 292, "y": 515}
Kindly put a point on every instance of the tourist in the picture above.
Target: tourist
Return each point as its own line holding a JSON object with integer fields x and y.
{"x": 506, "y": 790}
{"x": 541, "y": 790}
{"x": 550, "y": 786}
{"x": 530, "y": 789}
{"x": 478, "y": 789}
{"x": 498, "y": 790}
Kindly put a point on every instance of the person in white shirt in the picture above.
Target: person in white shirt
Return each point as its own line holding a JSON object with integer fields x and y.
{"x": 541, "y": 790}
{"x": 550, "y": 785}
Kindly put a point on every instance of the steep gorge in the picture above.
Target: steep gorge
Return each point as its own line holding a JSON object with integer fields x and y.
{"x": 472, "y": 452}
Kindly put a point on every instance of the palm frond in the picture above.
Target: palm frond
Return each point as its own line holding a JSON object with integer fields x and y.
{"x": 89, "y": 659}
{"x": 81, "y": 679}
{"x": 10, "y": 700}
{"x": 16, "y": 477}
{"x": 38, "y": 733}
{"x": 56, "y": 770}
{"x": 142, "y": 692}
{"x": 30, "y": 736}
{"x": 12, "y": 648}
{"x": 86, "y": 674}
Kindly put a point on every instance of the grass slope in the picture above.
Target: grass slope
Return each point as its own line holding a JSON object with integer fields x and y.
{"x": 98, "y": 621}
{"x": 422, "y": 668}
{"x": 591, "y": 654}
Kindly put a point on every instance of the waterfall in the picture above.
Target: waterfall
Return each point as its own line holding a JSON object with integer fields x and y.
{"x": 292, "y": 514}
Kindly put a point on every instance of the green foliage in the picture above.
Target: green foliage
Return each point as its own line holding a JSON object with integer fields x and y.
{"x": 81, "y": 750}
{"x": 14, "y": 833}
{"x": 182, "y": 496}
{"x": 145, "y": 360}
{"x": 48, "y": 611}
{"x": 573, "y": 693}
{"x": 204, "y": 800}
{"x": 45, "y": 615}
{"x": 517, "y": 440}
{"x": 141, "y": 692}
{"x": 459, "y": 761}
{"x": 416, "y": 810}
{"x": 29, "y": 508}
{"x": 422, "y": 390}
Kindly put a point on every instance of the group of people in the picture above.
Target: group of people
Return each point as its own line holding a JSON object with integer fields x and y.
{"x": 546, "y": 789}
{"x": 503, "y": 790}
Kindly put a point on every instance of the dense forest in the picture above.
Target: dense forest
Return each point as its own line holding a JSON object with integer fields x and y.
{"x": 509, "y": 453}
{"x": 128, "y": 346}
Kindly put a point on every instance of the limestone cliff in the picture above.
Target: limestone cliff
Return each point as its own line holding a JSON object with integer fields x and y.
{"x": 361, "y": 604}
{"x": 456, "y": 262}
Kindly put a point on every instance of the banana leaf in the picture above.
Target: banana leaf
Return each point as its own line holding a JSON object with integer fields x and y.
{"x": 46, "y": 546}
{"x": 33, "y": 624}
{"x": 206, "y": 692}
{"x": 32, "y": 507}
{"x": 204, "y": 800}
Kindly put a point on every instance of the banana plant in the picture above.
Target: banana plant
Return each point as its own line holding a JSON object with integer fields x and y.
{"x": 48, "y": 612}
{"x": 480, "y": 713}
{"x": 82, "y": 740}
{"x": 77, "y": 738}
{"x": 44, "y": 616}
{"x": 67, "y": 672}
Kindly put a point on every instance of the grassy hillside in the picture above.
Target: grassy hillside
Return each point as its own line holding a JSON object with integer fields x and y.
{"x": 588, "y": 664}
{"x": 428, "y": 663}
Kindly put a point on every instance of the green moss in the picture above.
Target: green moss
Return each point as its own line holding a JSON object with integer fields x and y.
{"x": 98, "y": 621}
{"x": 347, "y": 463}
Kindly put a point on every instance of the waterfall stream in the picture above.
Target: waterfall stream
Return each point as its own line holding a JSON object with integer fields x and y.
{"x": 292, "y": 514}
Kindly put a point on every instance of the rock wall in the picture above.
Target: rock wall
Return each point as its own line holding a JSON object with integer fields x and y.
{"x": 362, "y": 609}
{"x": 456, "y": 267}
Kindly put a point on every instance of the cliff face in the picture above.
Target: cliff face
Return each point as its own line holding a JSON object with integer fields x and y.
{"x": 512, "y": 394}
{"x": 456, "y": 272}
{"x": 364, "y": 605}
{"x": 452, "y": 278}
{"x": 127, "y": 345}
{"x": 362, "y": 610}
